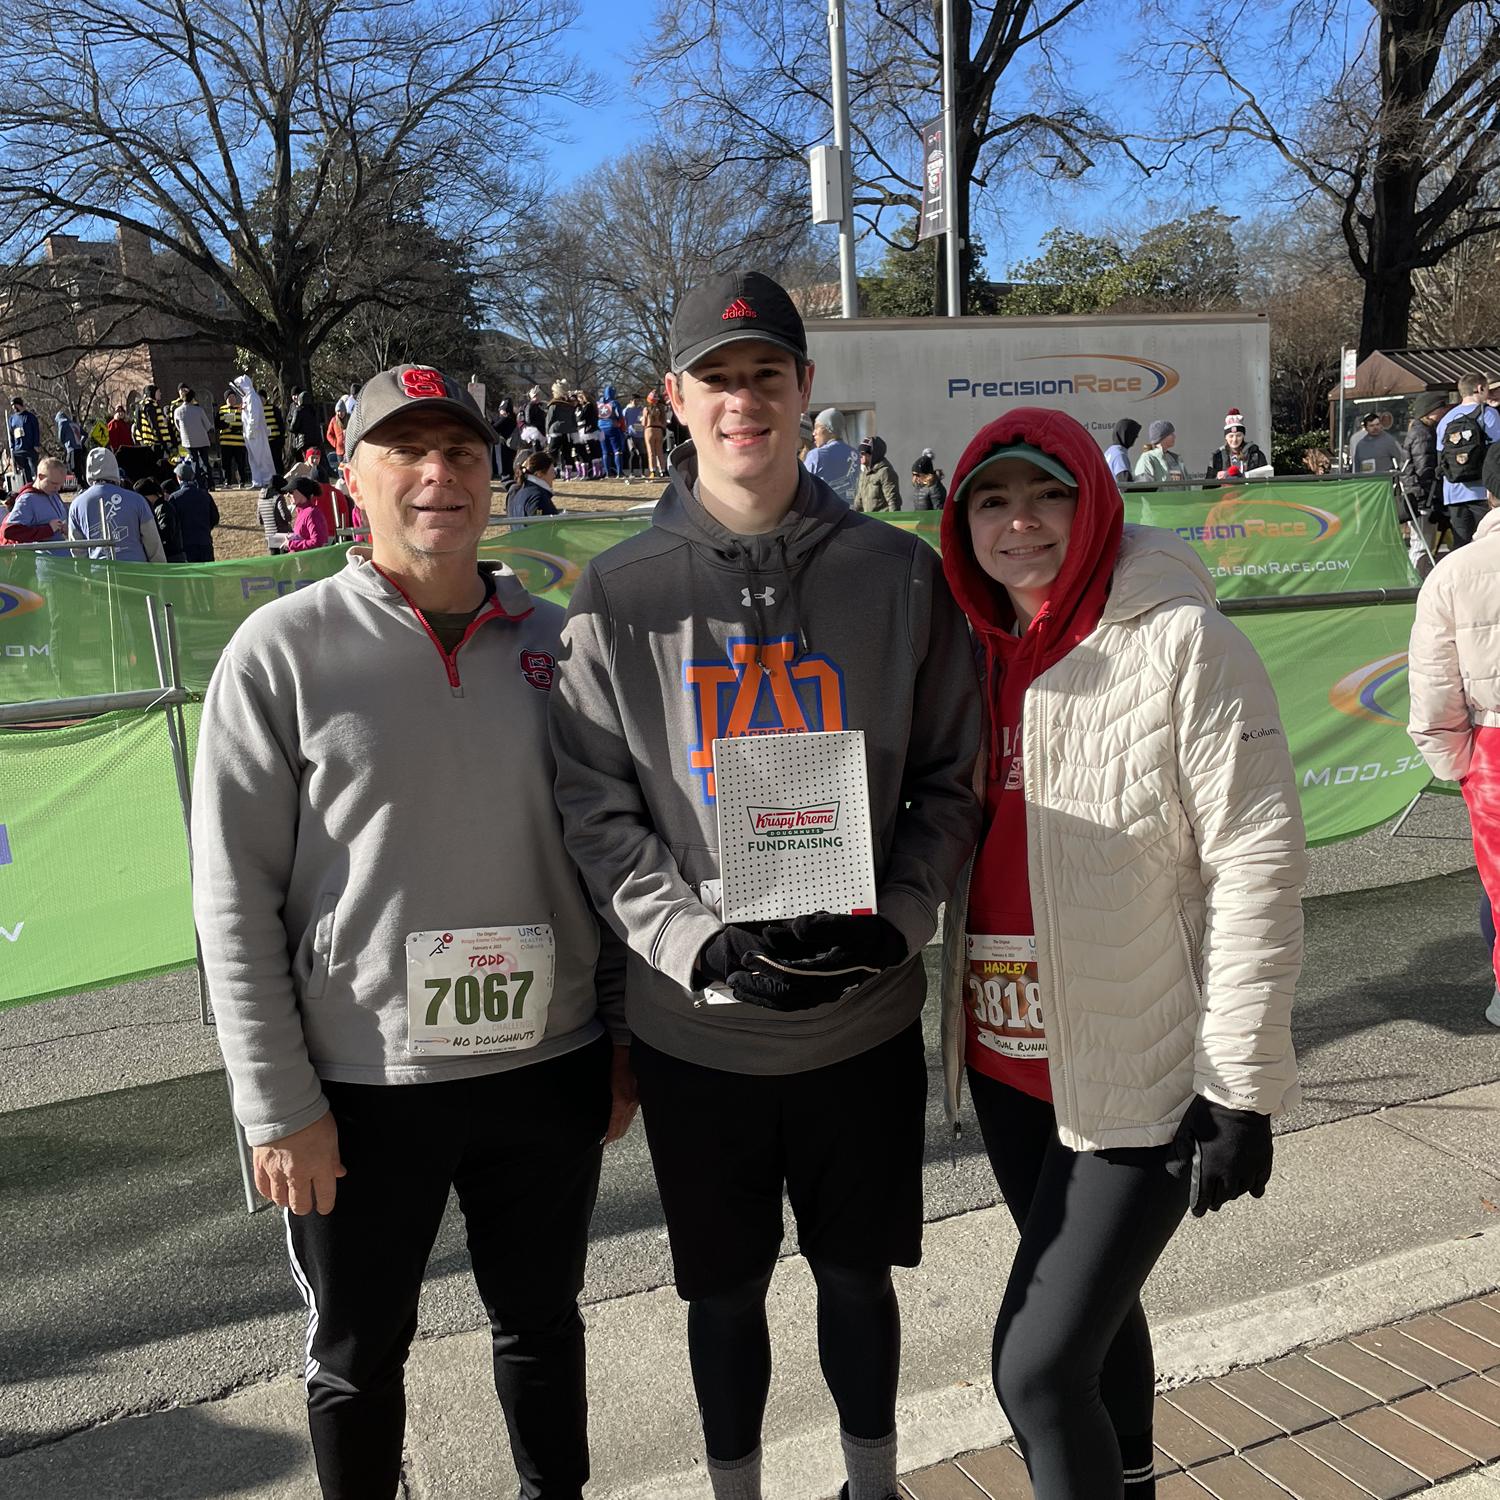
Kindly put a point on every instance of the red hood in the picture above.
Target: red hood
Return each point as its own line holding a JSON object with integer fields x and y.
{"x": 1093, "y": 545}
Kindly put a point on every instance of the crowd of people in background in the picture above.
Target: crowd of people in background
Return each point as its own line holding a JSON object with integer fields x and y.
{"x": 173, "y": 454}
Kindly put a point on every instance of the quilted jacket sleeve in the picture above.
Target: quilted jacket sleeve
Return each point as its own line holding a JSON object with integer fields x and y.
{"x": 1439, "y": 722}
{"x": 1237, "y": 785}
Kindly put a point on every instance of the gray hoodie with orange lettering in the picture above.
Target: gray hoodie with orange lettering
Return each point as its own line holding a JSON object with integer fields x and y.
{"x": 690, "y": 632}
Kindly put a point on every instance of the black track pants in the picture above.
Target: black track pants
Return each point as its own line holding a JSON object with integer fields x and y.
{"x": 1072, "y": 1354}
{"x": 521, "y": 1149}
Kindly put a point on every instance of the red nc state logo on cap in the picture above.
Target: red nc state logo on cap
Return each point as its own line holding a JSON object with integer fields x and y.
{"x": 739, "y": 308}
{"x": 422, "y": 382}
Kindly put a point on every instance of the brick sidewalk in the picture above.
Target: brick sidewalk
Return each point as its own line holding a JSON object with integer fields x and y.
{"x": 1382, "y": 1414}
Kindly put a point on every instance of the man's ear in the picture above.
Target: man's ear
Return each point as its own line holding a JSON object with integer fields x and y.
{"x": 673, "y": 385}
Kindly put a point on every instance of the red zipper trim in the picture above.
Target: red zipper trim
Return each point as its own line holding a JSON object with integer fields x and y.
{"x": 450, "y": 663}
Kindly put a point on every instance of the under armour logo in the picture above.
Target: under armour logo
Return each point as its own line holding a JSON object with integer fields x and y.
{"x": 766, "y": 597}
{"x": 739, "y": 308}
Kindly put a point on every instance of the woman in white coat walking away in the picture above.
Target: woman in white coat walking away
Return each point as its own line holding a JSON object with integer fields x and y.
{"x": 1455, "y": 692}
{"x": 1119, "y": 970}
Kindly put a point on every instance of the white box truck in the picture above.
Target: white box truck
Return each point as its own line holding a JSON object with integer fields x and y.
{"x": 934, "y": 382}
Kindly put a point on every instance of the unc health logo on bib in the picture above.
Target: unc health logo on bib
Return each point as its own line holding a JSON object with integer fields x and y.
{"x": 765, "y": 689}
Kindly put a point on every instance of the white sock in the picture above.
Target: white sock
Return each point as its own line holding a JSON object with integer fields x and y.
{"x": 871, "y": 1463}
{"x": 739, "y": 1480}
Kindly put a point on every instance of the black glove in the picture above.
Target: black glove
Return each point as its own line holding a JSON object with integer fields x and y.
{"x": 797, "y": 965}
{"x": 744, "y": 959}
{"x": 725, "y": 955}
{"x": 1227, "y": 1151}
{"x": 818, "y": 958}
{"x": 825, "y": 943}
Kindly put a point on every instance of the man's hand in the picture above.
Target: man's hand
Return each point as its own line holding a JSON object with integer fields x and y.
{"x": 57, "y": 527}
{"x": 624, "y": 1099}
{"x": 299, "y": 1171}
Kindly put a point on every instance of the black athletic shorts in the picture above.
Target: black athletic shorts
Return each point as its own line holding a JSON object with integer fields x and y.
{"x": 844, "y": 1141}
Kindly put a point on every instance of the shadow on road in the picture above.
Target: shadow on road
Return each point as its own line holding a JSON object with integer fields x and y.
{"x": 211, "y": 1458}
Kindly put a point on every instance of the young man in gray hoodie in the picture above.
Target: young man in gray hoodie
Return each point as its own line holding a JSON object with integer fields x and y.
{"x": 759, "y": 603}
{"x": 410, "y": 985}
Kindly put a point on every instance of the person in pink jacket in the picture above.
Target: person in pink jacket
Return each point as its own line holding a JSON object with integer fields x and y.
{"x": 1455, "y": 692}
{"x": 310, "y": 528}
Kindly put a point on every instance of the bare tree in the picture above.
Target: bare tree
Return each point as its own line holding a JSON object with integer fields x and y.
{"x": 553, "y": 300}
{"x": 270, "y": 158}
{"x": 752, "y": 85}
{"x": 675, "y": 221}
{"x": 1384, "y": 113}
{"x": 1298, "y": 272}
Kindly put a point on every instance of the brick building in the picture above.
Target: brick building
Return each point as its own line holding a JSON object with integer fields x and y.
{"x": 58, "y": 347}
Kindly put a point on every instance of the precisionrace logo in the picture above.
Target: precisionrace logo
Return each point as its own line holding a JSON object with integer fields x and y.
{"x": 17, "y": 601}
{"x": 541, "y": 571}
{"x": 1238, "y": 517}
{"x": 1234, "y": 527}
{"x": 1148, "y": 380}
{"x": 1357, "y": 693}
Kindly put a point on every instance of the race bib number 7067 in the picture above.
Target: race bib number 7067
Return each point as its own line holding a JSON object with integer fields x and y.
{"x": 478, "y": 989}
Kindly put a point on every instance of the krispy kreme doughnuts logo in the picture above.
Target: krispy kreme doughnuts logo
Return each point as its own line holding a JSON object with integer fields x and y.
{"x": 822, "y": 818}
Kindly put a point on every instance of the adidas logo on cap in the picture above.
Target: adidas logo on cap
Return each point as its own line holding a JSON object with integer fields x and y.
{"x": 739, "y": 308}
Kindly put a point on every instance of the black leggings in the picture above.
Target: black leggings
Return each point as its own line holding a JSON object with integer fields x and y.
{"x": 859, "y": 1348}
{"x": 1072, "y": 1353}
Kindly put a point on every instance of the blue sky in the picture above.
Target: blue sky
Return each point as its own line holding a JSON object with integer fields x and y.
{"x": 1013, "y": 222}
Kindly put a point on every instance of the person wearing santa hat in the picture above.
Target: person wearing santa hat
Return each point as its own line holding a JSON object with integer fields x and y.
{"x": 1238, "y": 455}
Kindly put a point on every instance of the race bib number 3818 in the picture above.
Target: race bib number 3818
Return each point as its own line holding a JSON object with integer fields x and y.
{"x": 478, "y": 989}
{"x": 1005, "y": 997}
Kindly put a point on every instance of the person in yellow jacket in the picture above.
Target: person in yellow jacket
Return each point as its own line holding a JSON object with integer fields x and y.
{"x": 232, "y": 441}
{"x": 275, "y": 428}
{"x": 151, "y": 428}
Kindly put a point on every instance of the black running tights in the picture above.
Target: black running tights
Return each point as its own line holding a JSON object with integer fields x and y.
{"x": 859, "y": 1348}
{"x": 1072, "y": 1353}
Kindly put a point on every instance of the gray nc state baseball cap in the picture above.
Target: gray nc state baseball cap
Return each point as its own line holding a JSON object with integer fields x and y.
{"x": 412, "y": 388}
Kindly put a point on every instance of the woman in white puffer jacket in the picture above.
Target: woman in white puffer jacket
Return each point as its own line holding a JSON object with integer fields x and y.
{"x": 1119, "y": 971}
{"x": 1455, "y": 692}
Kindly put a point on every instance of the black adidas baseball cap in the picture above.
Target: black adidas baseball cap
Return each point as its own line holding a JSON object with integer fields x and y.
{"x": 738, "y": 305}
{"x": 411, "y": 388}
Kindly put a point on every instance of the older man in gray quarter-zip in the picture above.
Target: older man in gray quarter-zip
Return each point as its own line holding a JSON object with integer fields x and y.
{"x": 411, "y": 989}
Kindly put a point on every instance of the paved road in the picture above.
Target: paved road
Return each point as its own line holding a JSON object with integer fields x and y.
{"x": 136, "y": 1280}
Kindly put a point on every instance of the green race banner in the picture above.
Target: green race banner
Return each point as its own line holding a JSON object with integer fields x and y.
{"x": 93, "y": 862}
{"x": 93, "y": 857}
{"x": 1340, "y": 678}
{"x": 1271, "y": 538}
{"x": 1286, "y": 538}
{"x": 69, "y": 627}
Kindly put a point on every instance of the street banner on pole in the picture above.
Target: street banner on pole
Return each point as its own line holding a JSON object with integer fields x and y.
{"x": 935, "y": 212}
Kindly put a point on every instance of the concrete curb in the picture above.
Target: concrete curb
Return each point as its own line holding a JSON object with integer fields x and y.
{"x": 936, "y": 1425}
